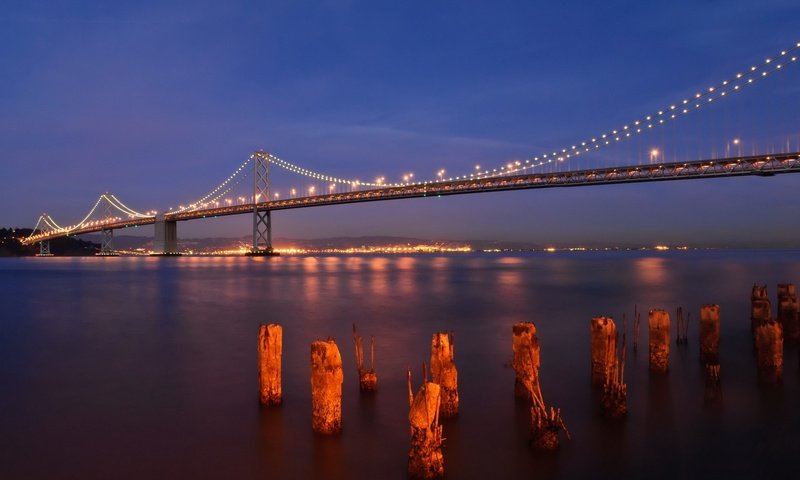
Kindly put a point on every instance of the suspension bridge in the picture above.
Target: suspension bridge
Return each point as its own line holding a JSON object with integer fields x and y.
{"x": 546, "y": 170}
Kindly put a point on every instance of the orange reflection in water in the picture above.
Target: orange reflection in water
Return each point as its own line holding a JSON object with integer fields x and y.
{"x": 651, "y": 270}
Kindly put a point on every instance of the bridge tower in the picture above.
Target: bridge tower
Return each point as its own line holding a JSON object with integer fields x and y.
{"x": 107, "y": 241}
{"x": 44, "y": 249}
{"x": 262, "y": 220}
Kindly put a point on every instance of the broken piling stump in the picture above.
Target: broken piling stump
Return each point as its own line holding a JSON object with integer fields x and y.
{"x": 760, "y": 308}
{"x": 789, "y": 312}
{"x": 444, "y": 373}
{"x": 769, "y": 351}
{"x": 658, "y": 322}
{"x": 712, "y": 395}
{"x": 604, "y": 349}
{"x": 682, "y": 327}
{"x": 709, "y": 334}
{"x": 614, "y": 401}
{"x": 326, "y": 387}
{"x": 546, "y": 422}
{"x": 525, "y": 347}
{"x": 367, "y": 378}
{"x": 270, "y": 348}
{"x": 425, "y": 459}
{"x": 637, "y": 321}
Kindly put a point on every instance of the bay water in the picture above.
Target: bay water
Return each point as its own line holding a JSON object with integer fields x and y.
{"x": 136, "y": 367}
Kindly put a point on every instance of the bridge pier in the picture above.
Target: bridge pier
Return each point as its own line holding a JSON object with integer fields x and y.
{"x": 107, "y": 244}
{"x": 165, "y": 242}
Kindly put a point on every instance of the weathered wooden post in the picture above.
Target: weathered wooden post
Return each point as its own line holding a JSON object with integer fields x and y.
{"x": 270, "y": 348}
{"x": 604, "y": 349}
{"x": 525, "y": 347}
{"x": 709, "y": 334}
{"x": 637, "y": 321}
{"x": 788, "y": 312}
{"x": 546, "y": 422}
{"x": 367, "y": 378}
{"x": 712, "y": 396}
{"x": 769, "y": 350}
{"x": 682, "y": 328}
{"x": 614, "y": 400}
{"x": 658, "y": 322}
{"x": 444, "y": 373}
{"x": 425, "y": 459}
{"x": 326, "y": 387}
{"x": 760, "y": 308}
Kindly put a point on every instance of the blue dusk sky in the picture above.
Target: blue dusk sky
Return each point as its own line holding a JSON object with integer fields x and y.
{"x": 158, "y": 102}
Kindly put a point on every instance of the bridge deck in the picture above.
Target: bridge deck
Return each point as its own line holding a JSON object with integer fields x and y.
{"x": 761, "y": 165}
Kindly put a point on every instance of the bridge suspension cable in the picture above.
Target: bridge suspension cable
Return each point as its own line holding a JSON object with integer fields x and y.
{"x": 48, "y": 221}
{"x": 324, "y": 177}
{"x": 108, "y": 197}
{"x": 117, "y": 203}
{"x": 215, "y": 194}
{"x": 719, "y": 91}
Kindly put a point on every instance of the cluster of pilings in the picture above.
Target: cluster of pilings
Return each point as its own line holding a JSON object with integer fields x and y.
{"x": 435, "y": 399}
{"x": 438, "y": 398}
{"x": 768, "y": 332}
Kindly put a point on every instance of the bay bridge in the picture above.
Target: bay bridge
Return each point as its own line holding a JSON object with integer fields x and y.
{"x": 109, "y": 213}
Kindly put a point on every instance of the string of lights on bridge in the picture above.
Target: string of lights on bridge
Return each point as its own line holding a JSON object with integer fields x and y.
{"x": 112, "y": 200}
{"x": 674, "y": 111}
{"x": 732, "y": 84}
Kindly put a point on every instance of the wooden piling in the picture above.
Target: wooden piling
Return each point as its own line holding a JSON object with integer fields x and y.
{"x": 270, "y": 348}
{"x": 604, "y": 349}
{"x": 788, "y": 312}
{"x": 769, "y": 350}
{"x": 326, "y": 387}
{"x": 709, "y": 334}
{"x": 525, "y": 347}
{"x": 658, "y": 323}
{"x": 425, "y": 459}
{"x": 546, "y": 422}
{"x": 637, "y": 321}
{"x": 712, "y": 395}
{"x": 614, "y": 400}
{"x": 444, "y": 373}
{"x": 367, "y": 378}
{"x": 760, "y": 308}
{"x": 682, "y": 327}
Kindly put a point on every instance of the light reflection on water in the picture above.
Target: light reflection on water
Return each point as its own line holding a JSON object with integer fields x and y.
{"x": 145, "y": 367}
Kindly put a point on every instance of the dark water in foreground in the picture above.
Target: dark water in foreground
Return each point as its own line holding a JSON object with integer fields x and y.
{"x": 146, "y": 368}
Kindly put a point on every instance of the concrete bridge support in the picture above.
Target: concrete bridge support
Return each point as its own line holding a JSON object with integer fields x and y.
{"x": 166, "y": 237}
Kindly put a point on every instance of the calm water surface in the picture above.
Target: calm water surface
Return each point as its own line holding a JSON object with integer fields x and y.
{"x": 146, "y": 368}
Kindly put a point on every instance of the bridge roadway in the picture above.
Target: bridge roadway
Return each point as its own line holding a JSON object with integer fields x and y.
{"x": 760, "y": 165}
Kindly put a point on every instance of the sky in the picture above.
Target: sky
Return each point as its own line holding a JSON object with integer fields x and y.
{"x": 158, "y": 102}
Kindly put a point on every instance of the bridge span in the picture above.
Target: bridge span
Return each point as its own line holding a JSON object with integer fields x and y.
{"x": 166, "y": 233}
